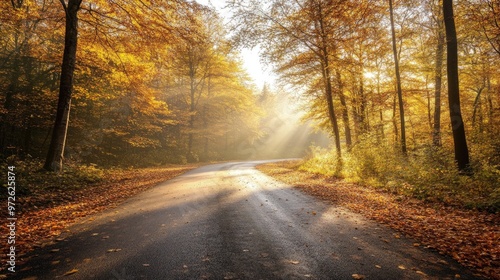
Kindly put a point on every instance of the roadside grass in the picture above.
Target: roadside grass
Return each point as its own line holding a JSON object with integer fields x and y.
{"x": 427, "y": 173}
{"x": 470, "y": 236}
{"x": 46, "y": 203}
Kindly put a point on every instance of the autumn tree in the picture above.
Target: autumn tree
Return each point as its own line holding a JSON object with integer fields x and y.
{"x": 302, "y": 39}
{"x": 398, "y": 81}
{"x": 195, "y": 57}
{"x": 112, "y": 24}
{"x": 457, "y": 123}
{"x": 438, "y": 72}
{"x": 485, "y": 15}
{"x": 210, "y": 90}
{"x": 479, "y": 56}
{"x": 152, "y": 75}
{"x": 55, "y": 155}
{"x": 28, "y": 75}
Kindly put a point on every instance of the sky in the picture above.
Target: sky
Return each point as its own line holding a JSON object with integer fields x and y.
{"x": 251, "y": 61}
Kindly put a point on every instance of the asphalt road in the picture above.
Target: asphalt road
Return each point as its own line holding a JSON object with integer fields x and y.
{"x": 229, "y": 221}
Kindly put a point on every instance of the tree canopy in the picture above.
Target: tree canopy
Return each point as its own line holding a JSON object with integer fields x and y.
{"x": 162, "y": 81}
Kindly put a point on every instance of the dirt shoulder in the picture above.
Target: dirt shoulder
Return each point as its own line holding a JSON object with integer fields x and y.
{"x": 470, "y": 237}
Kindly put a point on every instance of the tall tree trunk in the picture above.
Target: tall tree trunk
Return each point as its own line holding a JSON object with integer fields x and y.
{"x": 429, "y": 116}
{"x": 331, "y": 109}
{"x": 205, "y": 118}
{"x": 362, "y": 105}
{"x": 398, "y": 82}
{"x": 436, "y": 133}
{"x": 205, "y": 124}
{"x": 192, "y": 107}
{"x": 489, "y": 100}
{"x": 54, "y": 160}
{"x": 381, "y": 109}
{"x": 457, "y": 124}
{"x": 328, "y": 83}
{"x": 189, "y": 155}
{"x": 477, "y": 105}
{"x": 394, "y": 120}
{"x": 345, "y": 111}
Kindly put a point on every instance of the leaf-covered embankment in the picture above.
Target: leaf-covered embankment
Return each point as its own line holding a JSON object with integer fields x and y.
{"x": 471, "y": 237}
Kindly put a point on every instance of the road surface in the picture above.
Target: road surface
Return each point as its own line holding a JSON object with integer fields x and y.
{"x": 229, "y": 221}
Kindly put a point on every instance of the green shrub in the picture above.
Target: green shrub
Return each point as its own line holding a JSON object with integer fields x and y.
{"x": 322, "y": 161}
{"x": 427, "y": 172}
{"x": 30, "y": 175}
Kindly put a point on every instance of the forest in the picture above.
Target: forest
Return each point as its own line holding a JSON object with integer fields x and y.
{"x": 388, "y": 108}
{"x": 155, "y": 82}
{"x": 408, "y": 90}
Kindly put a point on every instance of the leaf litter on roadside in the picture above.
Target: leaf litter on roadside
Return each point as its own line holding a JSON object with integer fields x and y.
{"x": 471, "y": 237}
{"x": 49, "y": 213}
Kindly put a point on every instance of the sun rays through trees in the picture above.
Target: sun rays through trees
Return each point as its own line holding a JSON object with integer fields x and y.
{"x": 152, "y": 82}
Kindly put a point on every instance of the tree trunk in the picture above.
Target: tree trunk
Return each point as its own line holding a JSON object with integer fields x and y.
{"x": 457, "y": 124}
{"x": 477, "y": 105}
{"x": 362, "y": 105}
{"x": 205, "y": 124}
{"x": 429, "y": 116}
{"x": 54, "y": 160}
{"x": 192, "y": 107}
{"x": 331, "y": 112}
{"x": 398, "y": 82}
{"x": 190, "y": 156}
{"x": 489, "y": 100}
{"x": 345, "y": 111}
{"x": 328, "y": 84}
{"x": 381, "y": 109}
{"x": 394, "y": 121}
{"x": 436, "y": 133}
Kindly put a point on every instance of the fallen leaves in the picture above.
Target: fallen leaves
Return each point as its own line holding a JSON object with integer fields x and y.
{"x": 421, "y": 273}
{"x": 73, "y": 271}
{"x": 113, "y": 250}
{"x": 50, "y": 209}
{"x": 358, "y": 276}
{"x": 469, "y": 236}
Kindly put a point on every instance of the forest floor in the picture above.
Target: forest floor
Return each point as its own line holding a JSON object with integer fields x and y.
{"x": 469, "y": 236}
{"x": 45, "y": 212}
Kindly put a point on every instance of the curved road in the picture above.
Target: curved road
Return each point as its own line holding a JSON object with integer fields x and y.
{"x": 229, "y": 221}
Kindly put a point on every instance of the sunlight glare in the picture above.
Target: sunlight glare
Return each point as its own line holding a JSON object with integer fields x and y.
{"x": 254, "y": 67}
{"x": 369, "y": 74}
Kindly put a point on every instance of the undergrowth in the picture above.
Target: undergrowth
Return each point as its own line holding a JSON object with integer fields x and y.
{"x": 30, "y": 176}
{"x": 427, "y": 173}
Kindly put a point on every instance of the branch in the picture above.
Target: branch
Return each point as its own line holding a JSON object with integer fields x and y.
{"x": 64, "y": 5}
